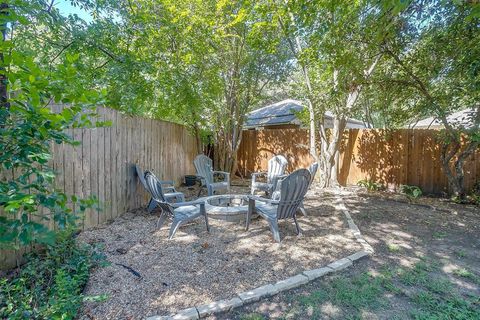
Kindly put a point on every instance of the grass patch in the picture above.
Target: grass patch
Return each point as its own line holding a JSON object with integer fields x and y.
{"x": 439, "y": 285}
{"x": 445, "y": 306}
{"x": 467, "y": 274}
{"x": 439, "y": 235}
{"x": 393, "y": 248}
{"x": 428, "y": 295}
{"x": 412, "y": 277}
{"x": 361, "y": 292}
{"x": 253, "y": 316}
{"x": 461, "y": 253}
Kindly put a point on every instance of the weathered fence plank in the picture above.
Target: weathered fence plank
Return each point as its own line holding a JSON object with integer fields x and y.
{"x": 392, "y": 157}
{"x": 103, "y": 164}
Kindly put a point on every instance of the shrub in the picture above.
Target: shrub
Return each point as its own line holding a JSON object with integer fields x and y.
{"x": 50, "y": 284}
{"x": 412, "y": 192}
{"x": 370, "y": 185}
{"x": 474, "y": 197}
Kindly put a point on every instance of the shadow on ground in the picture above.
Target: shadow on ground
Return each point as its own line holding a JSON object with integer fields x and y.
{"x": 426, "y": 266}
{"x": 196, "y": 267}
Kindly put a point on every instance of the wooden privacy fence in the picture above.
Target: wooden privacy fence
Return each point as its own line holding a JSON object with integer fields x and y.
{"x": 392, "y": 157}
{"x": 102, "y": 165}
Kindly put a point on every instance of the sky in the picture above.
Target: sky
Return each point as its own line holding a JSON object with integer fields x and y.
{"x": 65, "y": 7}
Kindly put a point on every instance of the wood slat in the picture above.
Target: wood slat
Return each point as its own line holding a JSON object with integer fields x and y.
{"x": 86, "y": 169}
{"x": 107, "y": 167}
{"x": 391, "y": 157}
{"x": 78, "y": 169}
{"x": 102, "y": 165}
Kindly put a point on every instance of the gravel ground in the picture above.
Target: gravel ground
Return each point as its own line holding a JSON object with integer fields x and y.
{"x": 196, "y": 267}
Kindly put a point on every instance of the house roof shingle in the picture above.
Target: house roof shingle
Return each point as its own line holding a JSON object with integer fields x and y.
{"x": 283, "y": 112}
{"x": 463, "y": 118}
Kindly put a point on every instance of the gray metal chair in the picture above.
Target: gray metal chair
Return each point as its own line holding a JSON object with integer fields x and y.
{"x": 205, "y": 173}
{"x": 293, "y": 190}
{"x": 276, "y": 168}
{"x": 180, "y": 211}
{"x": 167, "y": 186}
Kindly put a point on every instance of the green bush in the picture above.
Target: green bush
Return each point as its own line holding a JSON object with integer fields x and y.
{"x": 412, "y": 192}
{"x": 29, "y": 200}
{"x": 474, "y": 197}
{"x": 50, "y": 284}
{"x": 370, "y": 185}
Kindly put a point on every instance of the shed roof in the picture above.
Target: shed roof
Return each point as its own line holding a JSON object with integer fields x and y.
{"x": 283, "y": 112}
{"x": 463, "y": 118}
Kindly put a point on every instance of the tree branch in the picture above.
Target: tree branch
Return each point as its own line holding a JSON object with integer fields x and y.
{"x": 61, "y": 51}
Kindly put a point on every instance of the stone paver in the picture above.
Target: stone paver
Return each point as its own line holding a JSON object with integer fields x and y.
{"x": 358, "y": 235}
{"x": 218, "y": 306}
{"x": 290, "y": 283}
{"x": 187, "y": 314}
{"x": 340, "y": 264}
{"x": 317, "y": 273}
{"x": 257, "y": 293}
{"x": 358, "y": 255}
{"x": 353, "y": 226}
{"x": 160, "y": 318}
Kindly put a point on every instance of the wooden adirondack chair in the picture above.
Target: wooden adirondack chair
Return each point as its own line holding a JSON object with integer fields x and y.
{"x": 276, "y": 168}
{"x": 205, "y": 173}
{"x": 180, "y": 211}
{"x": 293, "y": 190}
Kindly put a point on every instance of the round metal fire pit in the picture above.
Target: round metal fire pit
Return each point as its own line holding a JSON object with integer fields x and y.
{"x": 228, "y": 207}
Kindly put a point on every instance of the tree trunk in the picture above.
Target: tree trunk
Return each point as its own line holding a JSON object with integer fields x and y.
{"x": 330, "y": 152}
{"x": 296, "y": 48}
{"x": 456, "y": 175}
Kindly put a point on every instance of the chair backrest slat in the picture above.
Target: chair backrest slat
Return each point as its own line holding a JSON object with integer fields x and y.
{"x": 155, "y": 188}
{"x": 204, "y": 167}
{"x": 141, "y": 176}
{"x": 276, "y": 167}
{"x": 313, "y": 171}
{"x": 293, "y": 190}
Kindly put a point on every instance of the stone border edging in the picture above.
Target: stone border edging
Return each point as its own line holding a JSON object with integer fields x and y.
{"x": 269, "y": 290}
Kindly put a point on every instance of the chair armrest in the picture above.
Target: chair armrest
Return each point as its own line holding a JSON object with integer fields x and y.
{"x": 277, "y": 180}
{"x": 188, "y": 203}
{"x": 261, "y": 199}
{"x": 200, "y": 178}
{"x": 169, "y": 189}
{"x": 178, "y": 196}
{"x": 222, "y": 173}
{"x": 168, "y": 182}
{"x": 226, "y": 175}
{"x": 257, "y": 174}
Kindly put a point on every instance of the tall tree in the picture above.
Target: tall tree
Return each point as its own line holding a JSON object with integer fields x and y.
{"x": 337, "y": 45}
{"x": 211, "y": 62}
{"x": 254, "y": 59}
{"x": 434, "y": 66}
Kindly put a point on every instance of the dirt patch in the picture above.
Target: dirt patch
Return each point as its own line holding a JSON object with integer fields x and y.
{"x": 196, "y": 267}
{"x": 427, "y": 246}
